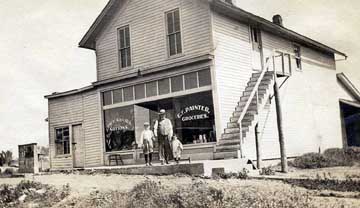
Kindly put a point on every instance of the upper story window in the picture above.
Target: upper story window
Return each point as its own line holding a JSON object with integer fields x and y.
{"x": 174, "y": 32}
{"x": 297, "y": 53}
{"x": 124, "y": 47}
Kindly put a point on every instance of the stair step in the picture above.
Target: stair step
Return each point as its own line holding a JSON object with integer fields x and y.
{"x": 246, "y": 123}
{"x": 267, "y": 74}
{"x": 223, "y": 142}
{"x": 230, "y": 136}
{"x": 260, "y": 92}
{"x": 227, "y": 148}
{"x": 232, "y": 125}
{"x": 265, "y": 82}
{"x": 261, "y": 87}
{"x": 232, "y": 130}
{"x": 251, "y": 107}
{"x": 225, "y": 155}
{"x": 266, "y": 77}
{"x": 237, "y": 114}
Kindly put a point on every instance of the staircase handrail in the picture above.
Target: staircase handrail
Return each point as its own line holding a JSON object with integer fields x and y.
{"x": 254, "y": 91}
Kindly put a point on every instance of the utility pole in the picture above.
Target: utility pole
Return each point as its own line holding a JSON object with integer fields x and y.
{"x": 284, "y": 165}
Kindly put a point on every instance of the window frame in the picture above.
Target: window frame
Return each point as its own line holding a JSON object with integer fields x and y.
{"x": 167, "y": 35}
{"x": 57, "y": 154}
{"x": 120, "y": 49}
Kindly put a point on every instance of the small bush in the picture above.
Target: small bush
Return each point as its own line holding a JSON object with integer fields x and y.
{"x": 309, "y": 161}
{"x": 330, "y": 158}
{"x": 244, "y": 174}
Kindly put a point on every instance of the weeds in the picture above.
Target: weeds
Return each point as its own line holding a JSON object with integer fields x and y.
{"x": 330, "y": 158}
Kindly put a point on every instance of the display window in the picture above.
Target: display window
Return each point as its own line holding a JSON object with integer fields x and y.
{"x": 192, "y": 117}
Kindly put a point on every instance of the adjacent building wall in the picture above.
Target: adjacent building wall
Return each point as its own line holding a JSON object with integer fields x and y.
{"x": 71, "y": 110}
{"x": 310, "y": 105}
{"x": 148, "y": 34}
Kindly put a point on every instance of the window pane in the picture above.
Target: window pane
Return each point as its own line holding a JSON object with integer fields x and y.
{"x": 177, "y": 20}
{"x": 123, "y": 58}
{"x": 121, "y": 38}
{"x": 191, "y": 81}
{"x": 66, "y": 133}
{"x": 127, "y": 37}
{"x": 170, "y": 22}
{"x": 204, "y": 78}
{"x": 151, "y": 89}
{"x": 172, "y": 43}
{"x": 128, "y": 94}
{"x": 139, "y": 91}
{"x": 177, "y": 84}
{"x": 164, "y": 86}
{"x": 178, "y": 43}
{"x": 107, "y": 98}
{"x": 128, "y": 55}
{"x": 117, "y": 96}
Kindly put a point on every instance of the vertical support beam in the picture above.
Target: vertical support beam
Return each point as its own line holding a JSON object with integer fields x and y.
{"x": 284, "y": 167}
{"x": 258, "y": 148}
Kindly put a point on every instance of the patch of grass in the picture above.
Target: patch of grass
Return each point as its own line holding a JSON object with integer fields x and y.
{"x": 31, "y": 192}
{"x": 327, "y": 183}
{"x": 330, "y": 158}
{"x": 199, "y": 194}
{"x": 269, "y": 171}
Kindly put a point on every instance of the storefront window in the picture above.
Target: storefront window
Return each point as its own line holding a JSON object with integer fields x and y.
{"x": 164, "y": 86}
{"x": 151, "y": 89}
{"x": 128, "y": 94}
{"x": 177, "y": 84}
{"x": 117, "y": 96}
{"x": 119, "y": 129}
{"x": 107, "y": 98}
{"x": 204, "y": 78}
{"x": 191, "y": 81}
{"x": 139, "y": 91}
{"x": 192, "y": 117}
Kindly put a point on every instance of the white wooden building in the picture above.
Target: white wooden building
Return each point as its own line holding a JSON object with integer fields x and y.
{"x": 202, "y": 61}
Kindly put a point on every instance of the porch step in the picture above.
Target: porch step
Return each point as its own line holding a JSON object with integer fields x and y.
{"x": 232, "y": 130}
{"x": 248, "y": 92}
{"x": 237, "y": 114}
{"x": 228, "y": 148}
{"x": 232, "y": 141}
{"x": 264, "y": 82}
{"x": 251, "y": 107}
{"x": 225, "y": 155}
{"x": 230, "y": 136}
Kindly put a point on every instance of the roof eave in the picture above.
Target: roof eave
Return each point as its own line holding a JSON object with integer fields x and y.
{"x": 88, "y": 40}
{"x": 244, "y": 16}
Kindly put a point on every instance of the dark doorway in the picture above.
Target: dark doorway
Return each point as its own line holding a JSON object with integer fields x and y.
{"x": 351, "y": 123}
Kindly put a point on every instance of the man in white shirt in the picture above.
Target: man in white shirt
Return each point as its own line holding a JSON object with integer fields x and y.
{"x": 163, "y": 130}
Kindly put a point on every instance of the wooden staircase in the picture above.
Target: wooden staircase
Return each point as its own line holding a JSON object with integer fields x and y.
{"x": 229, "y": 145}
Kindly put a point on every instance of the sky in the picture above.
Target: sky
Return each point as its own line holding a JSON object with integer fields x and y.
{"x": 39, "y": 51}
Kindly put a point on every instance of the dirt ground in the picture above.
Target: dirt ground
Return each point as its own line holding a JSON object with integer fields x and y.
{"x": 83, "y": 185}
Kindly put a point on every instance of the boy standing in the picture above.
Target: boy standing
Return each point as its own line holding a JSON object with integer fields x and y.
{"x": 147, "y": 138}
{"x": 177, "y": 148}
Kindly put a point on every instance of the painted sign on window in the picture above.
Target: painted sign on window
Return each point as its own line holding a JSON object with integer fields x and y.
{"x": 194, "y": 112}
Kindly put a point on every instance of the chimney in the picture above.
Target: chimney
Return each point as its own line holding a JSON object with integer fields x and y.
{"x": 277, "y": 19}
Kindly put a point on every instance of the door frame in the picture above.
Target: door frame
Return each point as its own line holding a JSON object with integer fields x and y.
{"x": 260, "y": 46}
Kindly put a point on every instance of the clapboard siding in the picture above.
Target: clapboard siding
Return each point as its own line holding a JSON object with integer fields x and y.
{"x": 92, "y": 127}
{"x": 76, "y": 109}
{"x": 232, "y": 64}
{"x": 311, "y": 115}
{"x": 148, "y": 34}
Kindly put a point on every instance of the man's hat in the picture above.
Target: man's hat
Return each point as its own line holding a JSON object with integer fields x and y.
{"x": 162, "y": 111}
{"x": 146, "y": 124}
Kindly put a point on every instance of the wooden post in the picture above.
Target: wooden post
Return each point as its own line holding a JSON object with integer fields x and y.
{"x": 284, "y": 166}
{"x": 258, "y": 148}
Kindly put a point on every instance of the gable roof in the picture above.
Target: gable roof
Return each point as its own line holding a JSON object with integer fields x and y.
{"x": 88, "y": 41}
{"x": 349, "y": 86}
